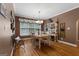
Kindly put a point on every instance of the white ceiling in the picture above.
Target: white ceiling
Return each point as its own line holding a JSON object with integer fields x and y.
{"x": 47, "y": 10}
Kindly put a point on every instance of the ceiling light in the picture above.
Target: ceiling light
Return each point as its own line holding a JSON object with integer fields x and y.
{"x": 39, "y": 21}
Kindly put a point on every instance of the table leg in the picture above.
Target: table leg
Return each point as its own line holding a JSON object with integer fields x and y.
{"x": 39, "y": 44}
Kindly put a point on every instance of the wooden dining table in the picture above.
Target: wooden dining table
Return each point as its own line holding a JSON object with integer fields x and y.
{"x": 40, "y": 38}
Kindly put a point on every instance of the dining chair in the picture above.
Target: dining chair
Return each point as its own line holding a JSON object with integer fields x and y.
{"x": 19, "y": 42}
{"x": 47, "y": 40}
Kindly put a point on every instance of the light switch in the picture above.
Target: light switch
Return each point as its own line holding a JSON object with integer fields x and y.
{"x": 4, "y": 28}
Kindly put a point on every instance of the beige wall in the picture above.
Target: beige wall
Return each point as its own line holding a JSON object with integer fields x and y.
{"x": 69, "y": 18}
{"x": 5, "y": 31}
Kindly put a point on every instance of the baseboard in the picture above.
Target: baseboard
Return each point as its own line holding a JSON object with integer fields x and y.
{"x": 74, "y": 45}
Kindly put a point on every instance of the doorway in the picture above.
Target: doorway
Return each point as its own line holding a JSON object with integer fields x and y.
{"x": 77, "y": 32}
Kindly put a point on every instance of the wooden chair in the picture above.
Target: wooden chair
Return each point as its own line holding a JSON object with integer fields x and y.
{"x": 19, "y": 43}
{"x": 34, "y": 41}
{"x": 47, "y": 40}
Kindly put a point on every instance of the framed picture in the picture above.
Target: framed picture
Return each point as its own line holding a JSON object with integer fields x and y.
{"x": 62, "y": 30}
{"x": 2, "y": 10}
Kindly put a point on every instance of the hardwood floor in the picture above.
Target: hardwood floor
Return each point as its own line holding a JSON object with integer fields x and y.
{"x": 57, "y": 49}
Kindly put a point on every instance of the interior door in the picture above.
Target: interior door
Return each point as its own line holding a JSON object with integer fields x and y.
{"x": 77, "y": 32}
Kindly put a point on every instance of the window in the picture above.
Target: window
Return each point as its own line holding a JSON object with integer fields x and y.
{"x": 29, "y": 27}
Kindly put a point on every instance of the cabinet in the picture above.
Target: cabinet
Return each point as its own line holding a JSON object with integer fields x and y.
{"x": 51, "y": 28}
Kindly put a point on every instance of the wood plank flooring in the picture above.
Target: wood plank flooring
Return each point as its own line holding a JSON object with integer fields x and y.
{"x": 57, "y": 49}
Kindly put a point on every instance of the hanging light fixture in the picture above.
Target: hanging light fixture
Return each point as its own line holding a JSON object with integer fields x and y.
{"x": 39, "y": 21}
{"x": 39, "y": 11}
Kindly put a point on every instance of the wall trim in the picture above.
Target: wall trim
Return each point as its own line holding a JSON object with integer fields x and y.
{"x": 73, "y": 8}
{"x": 74, "y": 45}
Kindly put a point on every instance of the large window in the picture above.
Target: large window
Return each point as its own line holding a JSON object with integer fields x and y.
{"x": 29, "y": 27}
{"x": 24, "y": 30}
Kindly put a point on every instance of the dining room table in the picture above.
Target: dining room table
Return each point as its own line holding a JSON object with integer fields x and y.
{"x": 42, "y": 38}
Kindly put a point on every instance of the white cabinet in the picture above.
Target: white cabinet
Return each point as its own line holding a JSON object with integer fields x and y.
{"x": 51, "y": 28}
